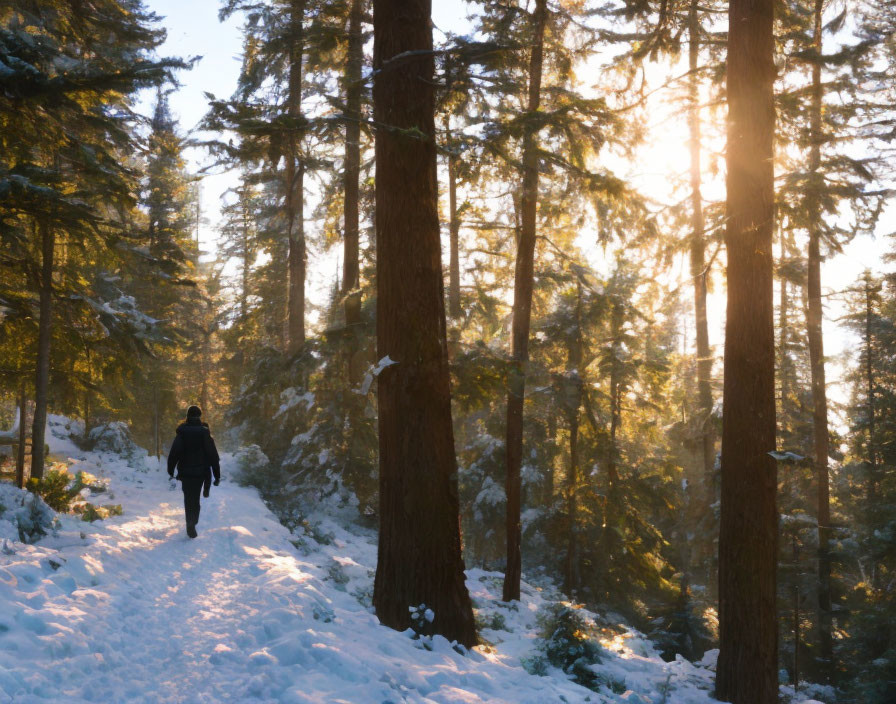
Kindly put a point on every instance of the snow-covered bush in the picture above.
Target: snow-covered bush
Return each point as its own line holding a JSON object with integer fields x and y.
{"x": 24, "y": 516}
{"x": 65, "y": 428}
{"x": 253, "y": 468}
{"x": 568, "y": 643}
{"x": 115, "y": 437}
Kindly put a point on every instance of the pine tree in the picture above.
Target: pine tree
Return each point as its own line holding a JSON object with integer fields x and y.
{"x": 63, "y": 175}
{"x": 522, "y": 305}
{"x": 747, "y": 666}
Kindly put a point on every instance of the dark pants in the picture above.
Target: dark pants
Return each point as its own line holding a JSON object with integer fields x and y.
{"x": 192, "y": 486}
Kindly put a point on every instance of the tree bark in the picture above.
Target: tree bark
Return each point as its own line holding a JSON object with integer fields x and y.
{"x": 871, "y": 482}
{"x": 699, "y": 271}
{"x": 816, "y": 362}
{"x": 352, "y": 175}
{"x": 615, "y": 397}
{"x": 294, "y": 173}
{"x": 23, "y": 423}
{"x": 156, "y": 429}
{"x": 522, "y": 311}
{"x": 747, "y": 665}
{"x": 87, "y": 392}
{"x": 44, "y": 336}
{"x": 796, "y": 618}
{"x": 572, "y": 400}
{"x": 784, "y": 370}
{"x": 419, "y": 555}
{"x": 454, "y": 309}
{"x": 572, "y": 480}
{"x": 247, "y": 254}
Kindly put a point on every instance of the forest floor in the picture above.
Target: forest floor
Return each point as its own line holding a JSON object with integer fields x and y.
{"x": 129, "y": 609}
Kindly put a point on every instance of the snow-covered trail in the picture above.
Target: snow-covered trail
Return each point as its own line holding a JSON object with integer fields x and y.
{"x": 140, "y": 612}
{"x": 131, "y": 610}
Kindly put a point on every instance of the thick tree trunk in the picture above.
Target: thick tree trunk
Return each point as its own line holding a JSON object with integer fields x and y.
{"x": 352, "y": 175}
{"x": 748, "y": 628}
{"x": 522, "y": 312}
{"x": 816, "y": 363}
{"x": 419, "y": 557}
{"x": 295, "y": 185}
{"x": 44, "y": 335}
{"x": 699, "y": 271}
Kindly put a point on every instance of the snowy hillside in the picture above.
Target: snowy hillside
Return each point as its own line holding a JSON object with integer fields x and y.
{"x": 130, "y": 610}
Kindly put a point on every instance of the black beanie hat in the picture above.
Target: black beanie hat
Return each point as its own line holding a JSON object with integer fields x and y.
{"x": 194, "y": 412}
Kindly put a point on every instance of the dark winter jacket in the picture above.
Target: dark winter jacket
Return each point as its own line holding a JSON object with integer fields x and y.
{"x": 193, "y": 451}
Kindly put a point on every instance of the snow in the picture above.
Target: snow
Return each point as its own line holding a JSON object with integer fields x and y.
{"x": 292, "y": 397}
{"x": 130, "y": 609}
{"x": 372, "y": 373}
{"x": 23, "y": 516}
{"x": 12, "y": 435}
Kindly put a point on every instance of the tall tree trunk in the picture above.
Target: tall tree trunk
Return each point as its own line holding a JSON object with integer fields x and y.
{"x": 700, "y": 276}
{"x": 572, "y": 480}
{"x": 419, "y": 555}
{"x": 206, "y": 371}
{"x": 295, "y": 184}
{"x": 572, "y": 400}
{"x": 871, "y": 482}
{"x": 87, "y": 392}
{"x": 23, "y": 424}
{"x": 352, "y": 175}
{"x": 44, "y": 335}
{"x": 550, "y": 469}
{"x": 246, "y": 263}
{"x": 784, "y": 369}
{"x": 453, "y": 230}
{"x": 616, "y": 323}
{"x": 816, "y": 361}
{"x": 748, "y": 628}
{"x": 610, "y": 542}
{"x": 522, "y": 310}
{"x": 156, "y": 429}
{"x": 796, "y": 617}
{"x": 699, "y": 271}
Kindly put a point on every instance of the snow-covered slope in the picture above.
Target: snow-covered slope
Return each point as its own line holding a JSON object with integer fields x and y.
{"x": 131, "y": 610}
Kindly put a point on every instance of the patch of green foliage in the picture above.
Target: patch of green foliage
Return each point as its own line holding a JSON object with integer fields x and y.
{"x": 93, "y": 513}
{"x": 568, "y": 643}
{"x": 57, "y": 489}
{"x": 61, "y": 492}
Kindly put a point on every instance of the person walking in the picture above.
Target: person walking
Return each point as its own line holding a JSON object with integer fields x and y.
{"x": 194, "y": 455}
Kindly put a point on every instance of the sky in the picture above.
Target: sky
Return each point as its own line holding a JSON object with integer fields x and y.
{"x": 194, "y": 30}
